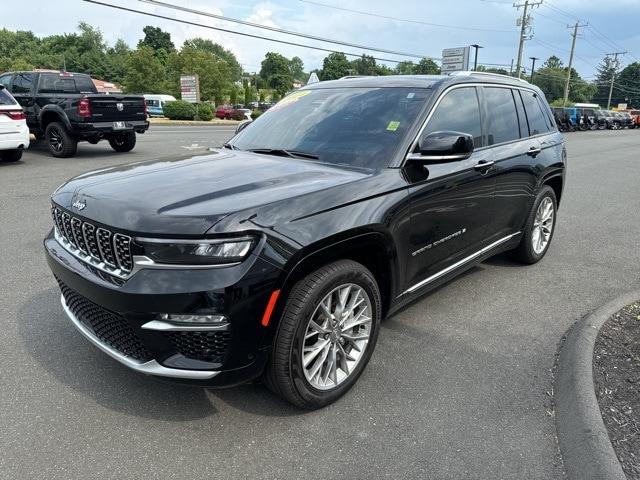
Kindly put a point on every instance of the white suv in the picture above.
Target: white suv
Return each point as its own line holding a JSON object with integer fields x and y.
{"x": 14, "y": 133}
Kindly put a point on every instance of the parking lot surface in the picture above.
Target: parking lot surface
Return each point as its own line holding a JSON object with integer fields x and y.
{"x": 459, "y": 385}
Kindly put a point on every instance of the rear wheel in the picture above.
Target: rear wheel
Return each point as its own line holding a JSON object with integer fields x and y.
{"x": 539, "y": 228}
{"x": 123, "y": 142}
{"x": 11, "y": 155}
{"x": 60, "y": 143}
{"x": 326, "y": 336}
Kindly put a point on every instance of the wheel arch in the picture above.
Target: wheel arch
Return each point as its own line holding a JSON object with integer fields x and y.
{"x": 556, "y": 182}
{"x": 53, "y": 113}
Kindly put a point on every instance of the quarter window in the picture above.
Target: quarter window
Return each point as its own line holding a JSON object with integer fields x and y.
{"x": 535, "y": 115}
{"x": 502, "y": 121}
{"x": 22, "y": 83}
{"x": 5, "y": 79}
{"x": 458, "y": 111}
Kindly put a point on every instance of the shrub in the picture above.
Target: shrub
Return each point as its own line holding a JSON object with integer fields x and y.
{"x": 179, "y": 110}
{"x": 255, "y": 114}
{"x": 205, "y": 112}
{"x": 237, "y": 115}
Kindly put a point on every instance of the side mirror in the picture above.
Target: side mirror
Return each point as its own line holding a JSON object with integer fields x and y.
{"x": 445, "y": 146}
{"x": 242, "y": 125}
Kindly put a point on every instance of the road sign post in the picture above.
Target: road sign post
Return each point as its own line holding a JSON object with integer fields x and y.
{"x": 190, "y": 88}
{"x": 455, "y": 59}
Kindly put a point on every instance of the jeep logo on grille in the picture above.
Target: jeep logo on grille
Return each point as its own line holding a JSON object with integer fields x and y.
{"x": 120, "y": 106}
{"x": 78, "y": 204}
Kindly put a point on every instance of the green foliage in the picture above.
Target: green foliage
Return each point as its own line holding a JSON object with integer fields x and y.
{"x": 233, "y": 67}
{"x": 204, "y": 112}
{"x": 248, "y": 95}
{"x": 629, "y": 84}
{"x": 335, "y": 65}
{"x": 255, "y": 114}
{"x": 426, "y": 66}
{"x": 552, "y": 78}
{"x": 157, "y": 39}
{"x": 233, "y": 95}
{"x": 558, "y": 102}
{"x": 365, "y": 65}
{"x": 144, "y": 73}
{"x": 212, "y": 71}
{"x": 262, "y": 97}
{"x": 296, "y": 68}
{"x": 405, "y": 68}
{"x": 275, "y": 97}
{"x": 275, "y": 70}
{"x": 499, "y": 71}
{"x": 179, "y": 110}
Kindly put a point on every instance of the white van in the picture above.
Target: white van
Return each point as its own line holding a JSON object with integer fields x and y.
{"x": 155, "y": 104}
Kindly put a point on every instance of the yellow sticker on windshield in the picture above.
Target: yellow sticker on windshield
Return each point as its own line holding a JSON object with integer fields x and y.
{"x": 289, "y": 99}
{"x": 393, "y": 126}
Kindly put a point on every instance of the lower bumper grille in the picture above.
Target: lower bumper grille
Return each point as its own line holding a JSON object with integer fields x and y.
{"x": 204, "y": 346}
{"x": 110, "y": 328}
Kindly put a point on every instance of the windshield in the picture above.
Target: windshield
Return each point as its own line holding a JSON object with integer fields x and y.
{"x": 359, "y": 127}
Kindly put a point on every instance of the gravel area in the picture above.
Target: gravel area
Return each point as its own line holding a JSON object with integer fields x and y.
{"x": 616, "y": 372}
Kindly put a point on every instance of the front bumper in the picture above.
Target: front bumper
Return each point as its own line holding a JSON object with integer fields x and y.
{"x": 121, "y": 317}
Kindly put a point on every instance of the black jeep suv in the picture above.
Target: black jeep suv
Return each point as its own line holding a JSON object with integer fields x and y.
{"x": 279, "y": 255}
{"x": 64, "y": 108}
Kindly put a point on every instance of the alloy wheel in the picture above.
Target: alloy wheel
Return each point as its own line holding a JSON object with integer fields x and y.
{"x": 336, "y": 336}
{"x": 55, "y": 139}
{"x": 542, "y": 225}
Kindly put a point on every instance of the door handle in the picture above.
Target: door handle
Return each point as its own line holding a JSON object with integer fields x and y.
{"x": 483, "y": 166}
{"x": 534, "y": 151}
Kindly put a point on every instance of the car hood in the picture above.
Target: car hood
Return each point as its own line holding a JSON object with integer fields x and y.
{"x": 189, "y": 196}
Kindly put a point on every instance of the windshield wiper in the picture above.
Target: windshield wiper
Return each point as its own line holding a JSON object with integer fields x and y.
{"x": 229, "y": 146}
{"x": 281, "y": 152}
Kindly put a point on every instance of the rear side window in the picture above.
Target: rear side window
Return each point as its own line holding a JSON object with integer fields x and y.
{"x": 535, "y": 116}
{"x": 502, "y": 121}
{"x": 5, "y": 79}
{"x": 458, "y": 111}
{"x": 6, "y": 98}
{"x": 22, "y": 83}
{"x": 57, "y": 83}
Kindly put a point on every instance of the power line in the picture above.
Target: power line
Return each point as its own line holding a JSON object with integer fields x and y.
{"x": 398, "y": 19}
{"x": 233, "y": 32}
{"x": 282, "y": 30}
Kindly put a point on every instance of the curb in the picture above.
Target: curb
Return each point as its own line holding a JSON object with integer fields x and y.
{"x": 583, "y": 438}
{"x": 190, "y": 123}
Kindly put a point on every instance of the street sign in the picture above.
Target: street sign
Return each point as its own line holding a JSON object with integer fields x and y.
{"x": 190, "y": 88}
{"x": 455, "y": 59}
{"x": 313, "y": 78}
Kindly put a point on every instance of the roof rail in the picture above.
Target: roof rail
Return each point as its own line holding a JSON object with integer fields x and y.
{"x": 491, "y": 74}
{"x": 356, "y": 76}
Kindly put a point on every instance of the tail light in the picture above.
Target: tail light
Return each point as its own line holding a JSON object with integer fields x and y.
{"x": 14, "y": 114}
{"x": 84, "y": 107}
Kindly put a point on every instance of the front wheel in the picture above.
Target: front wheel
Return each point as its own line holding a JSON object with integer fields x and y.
{"x": 123, "y": 142}
{"x": 539, "y": 228}
{"x": 326, "y": 335}
{"x": 61, "y": 143}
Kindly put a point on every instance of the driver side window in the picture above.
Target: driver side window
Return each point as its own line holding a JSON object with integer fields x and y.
{"x": 458, "y": 111}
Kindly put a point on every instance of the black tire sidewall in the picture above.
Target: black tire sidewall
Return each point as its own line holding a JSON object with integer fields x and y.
{"x": 11, "y": 155}
{"x": 69, "y": 144}
{"x": 123, "y": 142}
{"x": 304, "y": 394}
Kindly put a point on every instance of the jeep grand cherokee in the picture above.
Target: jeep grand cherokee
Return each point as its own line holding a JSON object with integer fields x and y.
{"x": 277, "y": 256}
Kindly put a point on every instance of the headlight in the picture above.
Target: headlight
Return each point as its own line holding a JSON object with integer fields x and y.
{"x": 197, "y": 252}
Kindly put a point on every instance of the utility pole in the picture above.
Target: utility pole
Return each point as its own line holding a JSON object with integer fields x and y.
{"x": 613, "y": 74}
{"x": 533, "y": 66}
{"x": 524, "y": 22}
{"x": 573, "y": 47}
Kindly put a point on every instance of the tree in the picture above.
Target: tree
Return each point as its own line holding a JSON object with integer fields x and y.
{"x": 212, "y": 71}
{"x": 157, "y": 39}
{"x": 296, "y": 68}
{"x": 553, "y": 62}
{"x": 426, "y": 66}
{"x": 275, "y": 70}
{"x": 248, "y": 95}
{"x": 552, "y": 78}
{"x": 609, "y": 67}
{"x": 234, "y": 68}
{"x": 144, "y": 72}
{"x": 233, "y": 95}
{"x": 499, "y": 71}
{"x": 365, "y": 65}
{"x": 629, "y": 84}
{"x": 335, "y": 65}
{"x": 405, "y": 68}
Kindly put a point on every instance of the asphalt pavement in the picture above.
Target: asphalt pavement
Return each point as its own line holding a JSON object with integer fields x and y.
{"x": 460, "y": 384}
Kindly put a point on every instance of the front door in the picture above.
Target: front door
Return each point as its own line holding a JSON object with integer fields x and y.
{"x": 451, "y": 208}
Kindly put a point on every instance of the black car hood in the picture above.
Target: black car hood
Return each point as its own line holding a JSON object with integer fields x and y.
{"x": 189, "y": 196}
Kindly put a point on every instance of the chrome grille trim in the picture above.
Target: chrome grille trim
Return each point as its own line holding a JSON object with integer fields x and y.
{"x": 105, "y": 247}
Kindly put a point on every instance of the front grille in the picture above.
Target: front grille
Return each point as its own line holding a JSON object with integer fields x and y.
{"x": 111, "y": 328}
{"x": 205, "y": 346}
{"x": 100, "y": 244}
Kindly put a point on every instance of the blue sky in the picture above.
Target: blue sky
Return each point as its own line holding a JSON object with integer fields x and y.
{"x": 617, "y": 20}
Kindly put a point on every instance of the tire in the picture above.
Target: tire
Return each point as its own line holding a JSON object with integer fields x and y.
{"x": 60, "y": 143}
{"x": 529, "y": 251}
{"x": 123, "y": 142}
{"x": 285, "y": 374}
{"x": 11, "y": 155}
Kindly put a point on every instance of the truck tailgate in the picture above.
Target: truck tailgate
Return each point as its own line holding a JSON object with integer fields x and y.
{"x": 111, "y": 108}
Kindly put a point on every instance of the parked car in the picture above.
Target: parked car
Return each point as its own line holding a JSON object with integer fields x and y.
{"x": 626, "y": 120}
{"x": 635, "y": 114}
{"x": 278, "y": 257}
{"x": 14, "y": 133}
{"x": 155, "y": 104}
{"x": 229, "y": 112}
{"x": 603, "y": 119}
{"x": 65, "y": 108}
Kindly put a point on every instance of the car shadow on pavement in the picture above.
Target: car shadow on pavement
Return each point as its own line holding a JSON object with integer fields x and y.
{"x": 64, "y": 353}
{"x": 503, "y": 260}
{"x": 85, "y": 150}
